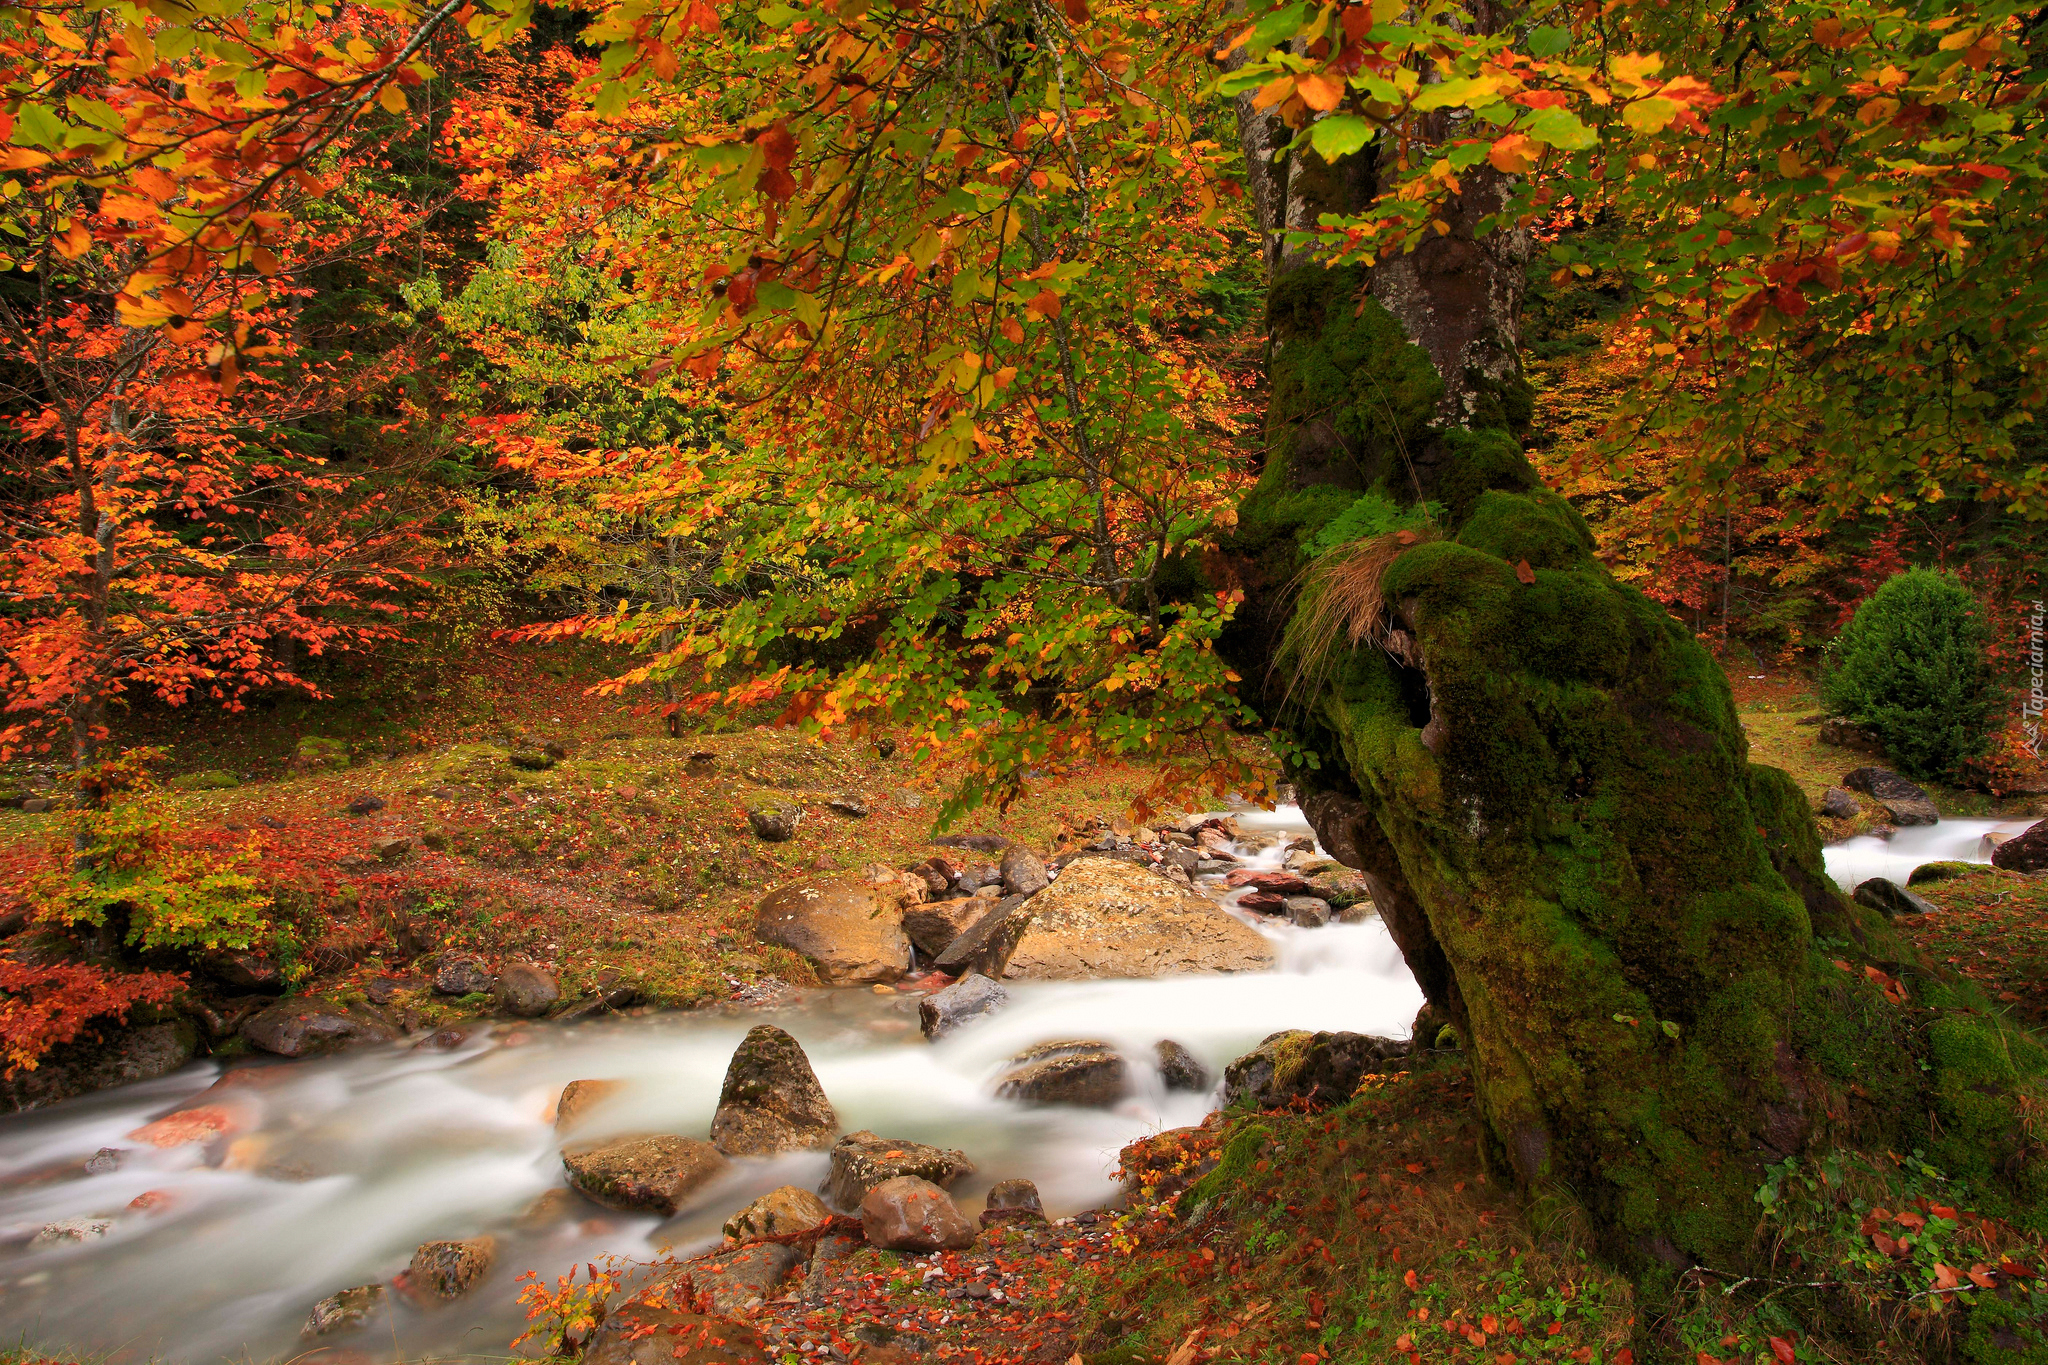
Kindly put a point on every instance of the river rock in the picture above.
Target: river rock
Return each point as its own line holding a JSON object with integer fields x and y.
{"x": 245, "y": 970}
{"x": 1080, "y": 1073}
{"x": 1106, "y": 918}
{"x": 966, "y": 1000}
{"x": 849, "y": 805}
{"x": 120, "y": 1056}
{"x": 1891, "y": 899}
{"x": 934, "y": 926}
{"x": 1321, "y": 1069}
{"x": 195, "y": 1123}
{"x": 987, "y": 945}
{"x": 448, "y": 1270}
{"x": 743, "y": 1279}
{"x": 774, "y": 822}
{"x": 462, "y": 976}
{"x": 1308, "y": 912}
{"x": 345, "y": 1311}
{"x": 772, "y": 1101}
{"x": 527, "y": 991}
{"x": 776, "y": 1214}
{"x": 1023, "y": 872}
{"x": 1342, "y": 887}
{"x": 579, "y": 1098}
{"x": 905, "y": 1213}
{"x": 307, "y": 1026}
{"x": 1012, "y": 1201}
{"x": 1279, "y": 883}
{"x": 1838, "y": 803}
{"x": 656, "y": 1173}
{"x": 861, "y": 1161}
{"x": 1179, "y": 1069}
{"x": 973, "y": 843}
{"x": 850, "y": 927}
{"x": 655, "y": 1327}
{"x": 2024, "y": 852}
{"x": 1908, "y": 804}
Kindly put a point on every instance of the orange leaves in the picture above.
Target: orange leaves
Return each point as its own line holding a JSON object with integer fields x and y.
{"x": 1512, "y": 154}
{"x": 1319, "y": 92}
{"x": 700, "y": 18}
{"x": 777, "y": 146}
{"x": 1045, "y": 303}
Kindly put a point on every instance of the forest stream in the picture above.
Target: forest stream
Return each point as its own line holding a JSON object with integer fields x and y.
{"x": 332, "y": 1171}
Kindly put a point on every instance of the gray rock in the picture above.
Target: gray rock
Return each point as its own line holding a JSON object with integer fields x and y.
{"x": 527, "y": 991}
{"x": 1179, "y": 1069}
{"x": 833, "y": 1246}
{"x": 1838, "y": 803}
{"x": 775, "y": 824}
{"x": 445, "y": 1271}
{"x": 1023, "y": 872}
{"x": 1320, "y": 1069}
{"x": 1310, "y": 912}
{"x": 771, "y": 1101}
{"x": 849, "y": 805}
{"x": 960, "y": 1003}
{"x": 905, "y": 1213}
{"x": 861, "y": 1161}
{"x": 246, "y": 970}
{"x": 1186, "y": 859}
{"x": 650, "y": 1174}
{"x": 1342, "y": 887}
{"x": 72, "y": 1232}
{"x": 1082, "y": 1073}
{"x": 1013, "y": 1201}
{"x": 1891, "y": 899}
{"x": 1908, "y": 804}
{"x": 345, "y": 1311}
{"x": 365, "y": 804}
{"x": 393, "y": 848}
{"x": 307, "y": 1026}
{"x": 105, "y": 1160}
{"x": 1840, "y": 733}
{"x": 462, "y": 976}
{"x": 974, "y": 843}
{"x": 2026, "y": 851}
{"x": 121, "y": 1056}
{"x": 739, "y": 1280}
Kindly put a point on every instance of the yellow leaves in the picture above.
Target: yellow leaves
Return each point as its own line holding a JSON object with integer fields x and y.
{"x": 1650, "y": 115}
{"x": 54, "y": 30}
{"x": 1966, "y": 38}
{"x": 73, "y": 241}
{"x": 1877, "y": 111}
{"x": 1789, "y": 164}
{"x": 392, "y": 98}
{"x": 1635, "y": 69}
{"x": 1319, "y": 92}
{"x": 21, "y": 159}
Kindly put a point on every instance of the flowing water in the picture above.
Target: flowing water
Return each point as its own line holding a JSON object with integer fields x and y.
{"x": 338, "y": 1168}
{"x": 1854, "y": 861}
{"x": 407, "y": 1146}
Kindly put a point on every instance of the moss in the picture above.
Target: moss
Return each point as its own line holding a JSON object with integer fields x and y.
{"x": 1942, "y": 872}
{"x": 1232, "y": 1169}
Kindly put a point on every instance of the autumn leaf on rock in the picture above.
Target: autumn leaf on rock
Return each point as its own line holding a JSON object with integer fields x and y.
{"x": 1525, "y": 573}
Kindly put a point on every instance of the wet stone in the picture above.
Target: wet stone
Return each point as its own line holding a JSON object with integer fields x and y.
{"x": 345, "y": 1311}
{"x": 462, "y": 976}
{"x": 1179, "y": 1069}
{"x": 909, "y": 1214}
{"x": 445, "y": 1271}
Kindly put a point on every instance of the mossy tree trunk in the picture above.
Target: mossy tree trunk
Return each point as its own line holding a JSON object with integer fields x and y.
{"x": 1543, "y": 775}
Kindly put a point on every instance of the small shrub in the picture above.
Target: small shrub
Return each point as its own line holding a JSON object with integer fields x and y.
{"x": 1910, "y": 668}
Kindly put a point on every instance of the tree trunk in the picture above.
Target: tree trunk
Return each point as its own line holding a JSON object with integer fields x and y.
{"x": 1542, "y": 774}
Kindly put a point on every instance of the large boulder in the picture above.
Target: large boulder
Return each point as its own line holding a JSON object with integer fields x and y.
{"x": 118, "y": 1057}
{"x": 1080, "y": 1073}
{"x": 861, "y": 1161}
{"x": 2027, "y": 852}
{"x": 1107, "y": 918}
{"x": 777, "y": 1214}
{"x": 909, "y": 1214}
{"x": 445, "y": 1271}
{"x": 579, "y": 1098}
{"x": 527, "y": 991}
{"x": 649, "y": 1174}
{"x": 738, "y": 1281}
{"x": 308, "y": 1026}
{"x": 986, "y": 945}
{"x": 1320, "y": 1069}
{"x": 850, "y": 927}
{"x": 658, "y": 1326}
{"x": 462, "y": 976}
{"x": 1907, "y": 804}
{"x": 1179, "y": 1068}
{"x": 772, "y": 1101}
{"x": 1023, "y": 872}
{"x": 966, "y": 1000}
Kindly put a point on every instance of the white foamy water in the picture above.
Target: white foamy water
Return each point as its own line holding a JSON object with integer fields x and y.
{"x": 404, "y": 1147}
{"x": 1854, "y": 861}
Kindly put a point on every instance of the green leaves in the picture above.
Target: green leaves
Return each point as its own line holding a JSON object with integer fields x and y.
{"x": 1339, "y": 135}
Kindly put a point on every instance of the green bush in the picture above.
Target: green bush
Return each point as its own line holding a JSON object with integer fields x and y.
{"x": 1910, "y": 669}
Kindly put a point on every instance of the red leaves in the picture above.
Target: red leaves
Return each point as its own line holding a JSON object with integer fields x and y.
{"x": 44, "y": 1007}
{"x": 1045, "y": 303}
{"x": 1783, "y": 1350}
{"x": 1526, "y": 574}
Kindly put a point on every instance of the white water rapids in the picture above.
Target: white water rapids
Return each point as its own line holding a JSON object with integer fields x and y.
{"x": 407, "y": 1146}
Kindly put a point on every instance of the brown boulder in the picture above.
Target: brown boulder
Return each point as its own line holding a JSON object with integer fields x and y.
{"x": 660, "y": 1327}
{"x": 850, "y": 927}
{"x": 772, "y": 1101}
{"x": 2024, "y": 852}
{"x": 579, "y": 1098}
{"x": 1082, "y": 1073}
{"x": 776, "y": 1214}
{"x": 909, "y": 1214}
{"x": 446, "y": 1271}
{"x": 935, "y": 925}
{"x": 1108, "y": 918}
{"x": 649, "y": 1174}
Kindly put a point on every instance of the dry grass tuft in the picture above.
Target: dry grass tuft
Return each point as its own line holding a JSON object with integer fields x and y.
{"x": 1337, "y": 598}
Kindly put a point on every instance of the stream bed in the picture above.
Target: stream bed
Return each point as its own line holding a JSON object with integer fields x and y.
{"x": 334, "y": 1170}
